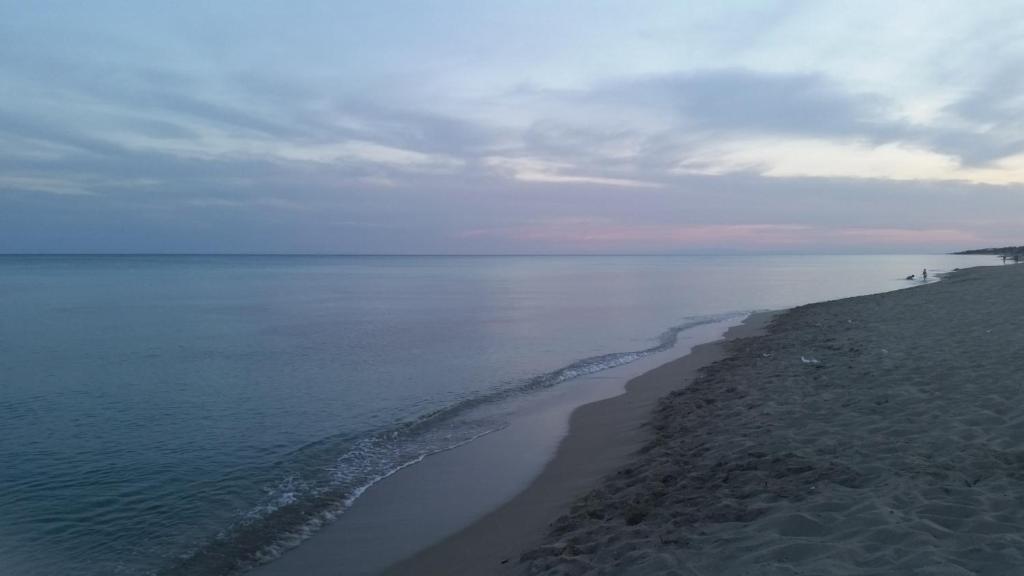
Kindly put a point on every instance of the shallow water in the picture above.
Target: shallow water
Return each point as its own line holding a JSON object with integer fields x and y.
{"x": 197, "y": 414}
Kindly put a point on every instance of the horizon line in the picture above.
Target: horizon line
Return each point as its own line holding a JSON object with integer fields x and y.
{"x": 480, "y": 255}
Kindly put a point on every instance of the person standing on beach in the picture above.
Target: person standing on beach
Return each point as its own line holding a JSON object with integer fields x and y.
{"x": 924, "y": 274}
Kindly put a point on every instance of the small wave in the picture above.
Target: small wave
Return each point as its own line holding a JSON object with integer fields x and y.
{"x": 326, "y": 477}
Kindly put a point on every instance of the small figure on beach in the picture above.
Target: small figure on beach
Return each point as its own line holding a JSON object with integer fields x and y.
{"x": 924, "y": 274}
{"x": 911, "y": 277}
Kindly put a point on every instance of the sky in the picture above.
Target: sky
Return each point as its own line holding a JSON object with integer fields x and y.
{"x": 485, "y": 127}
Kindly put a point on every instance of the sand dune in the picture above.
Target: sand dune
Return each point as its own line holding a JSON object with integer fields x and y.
{"x": 901, "y": 450}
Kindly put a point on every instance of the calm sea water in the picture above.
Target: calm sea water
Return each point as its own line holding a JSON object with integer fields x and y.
{"x": 196, "y": 415}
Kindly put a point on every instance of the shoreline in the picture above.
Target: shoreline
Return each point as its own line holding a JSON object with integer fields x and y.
{"x": 869, "y": 435}
{"x": 418, "y": 507}
{"x": 492, "y": 540}
{"x": 614, "y": 427}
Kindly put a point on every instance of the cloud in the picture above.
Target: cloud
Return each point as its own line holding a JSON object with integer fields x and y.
{"x": 247, "y": 203}
{"x": 986, "y": 124}
{"x": 538, "y": 170}
{"x": 750, "y": 102}
{"x": 44, "y": 185}
{"x": 644, "y": 127}
{"x": 372, "y": 153}
{"x": 820, "y": 158}
{"x": 778, "y": 125}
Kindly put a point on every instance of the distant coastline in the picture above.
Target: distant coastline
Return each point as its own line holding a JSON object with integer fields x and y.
{"x": 1008, "y": 251}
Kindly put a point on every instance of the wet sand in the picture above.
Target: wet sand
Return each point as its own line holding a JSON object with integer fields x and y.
{"x": 603, "y": 436}
{"x": 880, "y": 434}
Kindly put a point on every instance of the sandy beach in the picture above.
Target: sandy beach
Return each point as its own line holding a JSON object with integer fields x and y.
{"x": 874, "y": 435}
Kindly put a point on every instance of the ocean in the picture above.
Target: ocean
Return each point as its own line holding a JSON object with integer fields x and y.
{"x": 164, "y": 415}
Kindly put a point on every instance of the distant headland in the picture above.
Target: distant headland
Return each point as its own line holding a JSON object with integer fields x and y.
{"x": 1008, "y": 251}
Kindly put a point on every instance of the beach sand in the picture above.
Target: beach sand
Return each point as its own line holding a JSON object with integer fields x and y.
{"x": 603, "y": 436}
{"x": 881, "y": 434}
